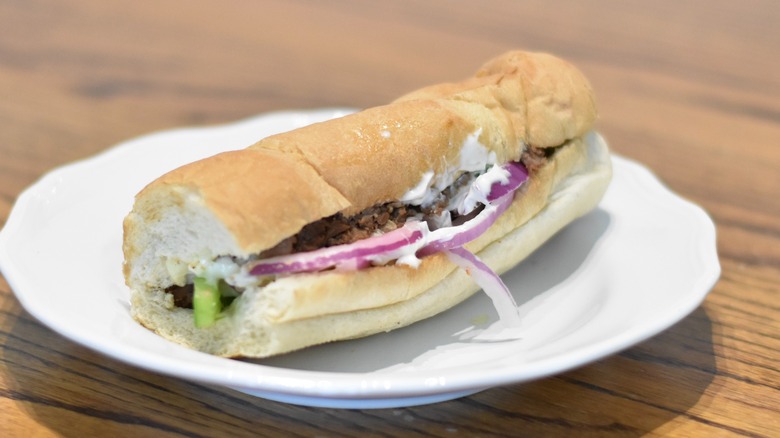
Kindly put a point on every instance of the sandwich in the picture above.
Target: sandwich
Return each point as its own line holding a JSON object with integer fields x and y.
{"x": 371, "y": 221}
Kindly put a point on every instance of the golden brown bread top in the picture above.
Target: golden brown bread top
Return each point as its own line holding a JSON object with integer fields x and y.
{"x": 517, "y": 99}
{"x": 267, "y": 192}
{"x": 380, "y": 153}
{"x": 244, "y": 188}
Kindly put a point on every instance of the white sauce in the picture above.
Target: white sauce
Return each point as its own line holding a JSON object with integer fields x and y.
{"x": 474, "y": 157}
{"x": 409, "y": 260}
{"x": 419, "y": 193}
{"x": 480, "y": 189}
{"x": 223, "y": 268}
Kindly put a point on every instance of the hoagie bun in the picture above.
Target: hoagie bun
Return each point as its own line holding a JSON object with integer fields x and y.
{"x": 254, "y": 203}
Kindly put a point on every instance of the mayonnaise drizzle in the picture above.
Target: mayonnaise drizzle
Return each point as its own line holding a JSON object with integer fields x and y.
{"x": 474, "y": 157}
{"x": 419, "y": 193}
{"x": 480, "y": 189}
{"x": 223, "y": 268}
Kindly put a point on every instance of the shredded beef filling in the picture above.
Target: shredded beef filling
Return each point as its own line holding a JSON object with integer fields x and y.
{"x": 339, "y": 229}
{"x": 182, "y": 295}
{"x": 533, "y": 158}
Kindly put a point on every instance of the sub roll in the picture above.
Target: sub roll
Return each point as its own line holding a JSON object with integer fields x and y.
{"x": 371, "y": 221}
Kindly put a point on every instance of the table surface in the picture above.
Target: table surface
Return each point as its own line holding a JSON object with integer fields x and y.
{"x": 691, "y": 90}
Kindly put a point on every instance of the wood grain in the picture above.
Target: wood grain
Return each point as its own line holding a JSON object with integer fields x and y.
{"x": 690, "y": 89}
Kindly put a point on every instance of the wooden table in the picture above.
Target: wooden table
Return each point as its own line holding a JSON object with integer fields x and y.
{"x": 691, "y": 89}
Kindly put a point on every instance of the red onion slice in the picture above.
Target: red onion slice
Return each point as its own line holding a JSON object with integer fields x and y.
{"x": 453, "y": 237}
{"x": 498, "y": 200}
{"x": 490, "y": 282}
{"x": 497, "y": 182}
{"x": 518, "y": 175}
{"x": 360, "y": 254}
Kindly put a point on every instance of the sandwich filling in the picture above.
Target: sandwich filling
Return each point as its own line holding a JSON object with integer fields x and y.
{"x": 441, "y": 214}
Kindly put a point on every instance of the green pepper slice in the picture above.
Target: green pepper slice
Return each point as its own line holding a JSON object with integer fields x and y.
{"x": 206, "y": 302}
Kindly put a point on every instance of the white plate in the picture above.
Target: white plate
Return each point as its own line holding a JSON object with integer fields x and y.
{"x": 640, "y": 262}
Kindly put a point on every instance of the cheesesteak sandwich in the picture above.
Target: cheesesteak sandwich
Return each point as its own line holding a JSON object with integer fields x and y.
{"x": 371, "y": 221}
